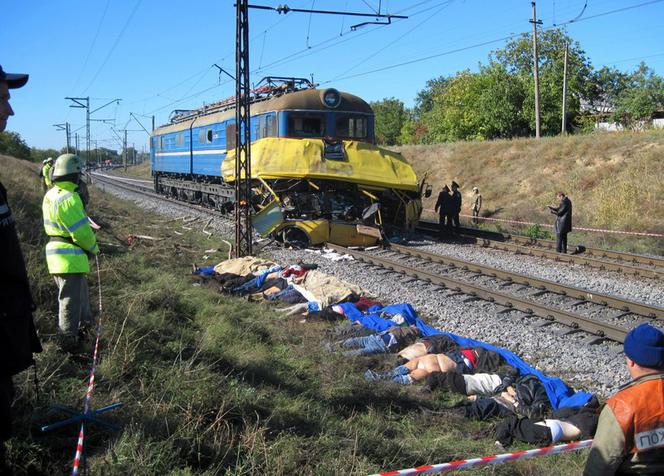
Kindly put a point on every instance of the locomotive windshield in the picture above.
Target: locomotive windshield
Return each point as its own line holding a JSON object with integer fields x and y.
{"x": 306, "y": 126}
{"x": 349, "y": 127}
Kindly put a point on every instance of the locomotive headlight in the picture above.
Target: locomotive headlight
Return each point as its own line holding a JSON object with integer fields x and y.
{"x": 331, "y": 98}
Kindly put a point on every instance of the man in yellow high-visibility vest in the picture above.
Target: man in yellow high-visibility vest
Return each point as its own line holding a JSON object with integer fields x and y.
{"x": 47, "y": 165}
{"x": 71, "y": 241}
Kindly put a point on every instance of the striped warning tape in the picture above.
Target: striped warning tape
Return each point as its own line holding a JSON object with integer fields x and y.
{"x": 493, "y": 459}
{"x": 91, "y": 383}
{"x": 576, "y": 228}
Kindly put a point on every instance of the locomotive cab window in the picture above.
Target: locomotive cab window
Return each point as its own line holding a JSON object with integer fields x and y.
{"x": 205, "y": 136}
{"x": 351, "y": 127}
{"x": 305, "y": 126}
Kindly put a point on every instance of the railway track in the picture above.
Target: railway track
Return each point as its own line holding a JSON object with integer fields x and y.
{"x": 602, "y": 330}
{"x": 627, "y": 263}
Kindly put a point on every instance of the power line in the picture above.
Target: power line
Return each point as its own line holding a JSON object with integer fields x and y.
{"x": 115, "y": 44}
{"x": 363, "y": 61}
{"x": 418, "y": 60}
{"x": 92, "y": 45}
{"x": 618, "y": 10}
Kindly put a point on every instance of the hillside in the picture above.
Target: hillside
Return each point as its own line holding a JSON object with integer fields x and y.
{"x": 615, "y": 180}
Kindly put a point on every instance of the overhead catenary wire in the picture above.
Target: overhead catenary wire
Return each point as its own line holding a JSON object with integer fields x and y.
{"x": 505, "y": 38}
{"x": 115, "y": 44}
{"x": 396, "y": 40}
{"x": 92, "y": 45}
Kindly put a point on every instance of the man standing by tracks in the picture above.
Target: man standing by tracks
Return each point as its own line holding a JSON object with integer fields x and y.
{"x": 630, "y": 432}
{"x": 477, "y": 204}
{"x": 18, "y": 338}
{"x": 444, "y": 209}
{"x": 46, "y": 173}
{"x": 456, "y": 205}
{"x": 71, "y": 241}
{"x": 564, "y": 221}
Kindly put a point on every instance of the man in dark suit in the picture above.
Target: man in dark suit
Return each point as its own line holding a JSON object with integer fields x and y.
{"x": 564, "y": 221}
{"x": 444, "y": 209}
{"x": 456, "y": 205}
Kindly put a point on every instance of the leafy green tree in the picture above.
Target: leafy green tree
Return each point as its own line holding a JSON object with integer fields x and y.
{"x": 643, "y": 96}
{"x": 500, "y": 103}
{"x": 606, "y": 85}
{"x": 425, "y": 98}
{"x": 12, "y": 144}
{"x": 517, "y": 59}
{"x": 454, "y": 114}
{"x": 39, "y": 155}
{"x": 390, "y": 116}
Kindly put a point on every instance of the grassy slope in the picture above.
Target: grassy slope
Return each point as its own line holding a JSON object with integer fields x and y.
{"x": 141, "y": 170}
{"x": 615, "y": 180}
{"x": 214, "y": 384}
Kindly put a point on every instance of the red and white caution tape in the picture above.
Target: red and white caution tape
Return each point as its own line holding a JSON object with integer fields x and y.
{"x": 493, "y": 459}
{"x": 91, "y": 384}
{"x": 576, "y": 228}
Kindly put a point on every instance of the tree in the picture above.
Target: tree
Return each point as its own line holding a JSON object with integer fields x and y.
{"x": 606, "y": 85}
{"x": 39, "y": 155}
{"x": 12, "y": 144}
{"x": 425, "y": 98}
{"x": 643, "y": 96}
{"x": 390, "y": 116}
{"x": 517, "y": 59}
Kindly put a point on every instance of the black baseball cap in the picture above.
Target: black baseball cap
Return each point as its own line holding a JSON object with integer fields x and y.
{"x": 14, "y": 81}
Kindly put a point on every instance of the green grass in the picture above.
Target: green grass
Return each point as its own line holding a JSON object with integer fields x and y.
{"x": 212, "y": 384}
{"x": 141, "y": 170}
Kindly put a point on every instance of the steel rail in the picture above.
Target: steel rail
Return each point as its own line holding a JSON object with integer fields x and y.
{"x": 598, "y": 253}
{"x": 576, "y": 321}
{"x": 583, "y": 295}
{"x": 566, "y": 258}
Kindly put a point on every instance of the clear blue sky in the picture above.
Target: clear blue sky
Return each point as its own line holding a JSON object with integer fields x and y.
{"x": 157, "y": 54}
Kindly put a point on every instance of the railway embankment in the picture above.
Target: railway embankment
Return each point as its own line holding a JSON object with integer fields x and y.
{"x": 615, "y": 181}
{"x": 212, "y": 383}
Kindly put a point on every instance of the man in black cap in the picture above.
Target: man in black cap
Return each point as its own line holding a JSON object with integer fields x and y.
{"x": 18, "y": 338}
{"x": 456, "y": 204}
{"x": 630, "y": 432}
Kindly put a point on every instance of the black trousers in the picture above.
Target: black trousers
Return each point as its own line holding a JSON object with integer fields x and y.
{"x": 561, "y": 242}
{"x": 455, "y": 218}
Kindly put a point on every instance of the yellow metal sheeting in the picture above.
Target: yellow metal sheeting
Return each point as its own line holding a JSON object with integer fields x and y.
{"x": 273, "y": 158}
{"x": 340, "y": 233}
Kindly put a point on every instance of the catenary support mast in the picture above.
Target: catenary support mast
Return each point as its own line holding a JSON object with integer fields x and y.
{"x": 243, "y": 242}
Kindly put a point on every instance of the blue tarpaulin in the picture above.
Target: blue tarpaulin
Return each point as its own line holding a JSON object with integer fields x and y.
{"x": 377, "y": 318}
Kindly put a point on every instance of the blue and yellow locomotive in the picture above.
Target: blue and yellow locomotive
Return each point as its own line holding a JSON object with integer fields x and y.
{"x": 317, "y": 174}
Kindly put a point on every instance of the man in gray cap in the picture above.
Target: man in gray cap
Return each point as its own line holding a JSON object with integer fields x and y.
{"x": 18, "y": 338}
{"x": 630, "y": 432}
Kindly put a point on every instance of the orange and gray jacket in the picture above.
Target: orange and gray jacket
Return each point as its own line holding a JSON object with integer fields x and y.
{"x": 630, "y": 432}
{"x": 66, "y": 223}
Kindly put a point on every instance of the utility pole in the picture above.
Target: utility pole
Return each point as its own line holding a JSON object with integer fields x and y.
{"x": 64, "y": 127}
{"x": 564, "y": 125}
{"x": 243, "y": 229}
{"x": 76, "y": 148}
{"x": 124, "y": 150}
{"x": 84, "y": 103}
{"x": 535, "y": 22}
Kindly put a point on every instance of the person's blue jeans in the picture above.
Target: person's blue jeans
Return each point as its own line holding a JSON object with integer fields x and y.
{"x": 373, "y": 344}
